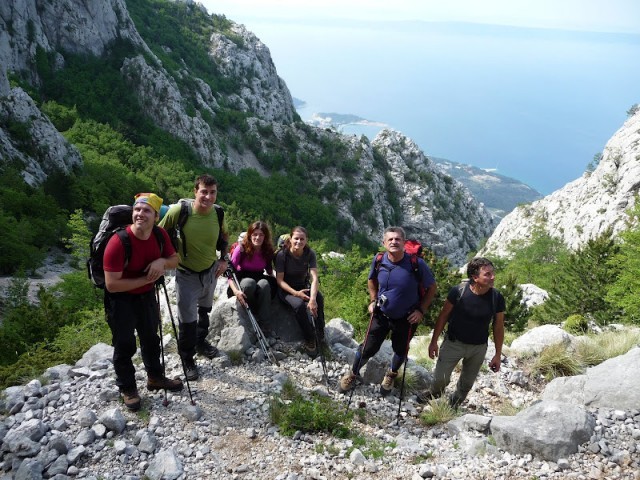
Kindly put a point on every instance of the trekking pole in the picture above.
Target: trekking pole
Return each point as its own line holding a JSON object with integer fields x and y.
{"x": 175, "y": 332}
{"x": 404, "y": 371}
{"x": 364, "y": 346}
{"x": 262, "y": 340}
{"x": 319, "y": 347}
{"x": 165, "y": 402}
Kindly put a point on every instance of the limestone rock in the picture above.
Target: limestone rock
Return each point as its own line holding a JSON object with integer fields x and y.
{"x": 609, "y": 384}
{"x": 586, "y": 207}
{"x": 548, "y": 429}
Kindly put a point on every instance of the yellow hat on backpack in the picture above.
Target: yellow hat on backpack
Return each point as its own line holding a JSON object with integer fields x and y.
{"x": 153, "y": 200}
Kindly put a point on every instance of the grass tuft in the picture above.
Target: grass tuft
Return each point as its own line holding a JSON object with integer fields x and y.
{"x": 557, "y": 361}
{"x": 439, "y": 412}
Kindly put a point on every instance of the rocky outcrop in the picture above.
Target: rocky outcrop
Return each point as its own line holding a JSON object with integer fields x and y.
{"x": 76, "y": 26}
{"x": 166, "y": 106}
{"x": 435, "y": 208}
{"x": 247, "y": 60}
{"x": 28, "y": 27}
{"x": 586, "y": 207}
{"x": 30, "y": 139}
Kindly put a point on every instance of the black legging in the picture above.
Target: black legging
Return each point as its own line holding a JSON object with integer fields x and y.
{"x": 300, "y": 309}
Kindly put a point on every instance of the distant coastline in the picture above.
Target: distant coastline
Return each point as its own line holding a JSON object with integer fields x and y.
{"x": 325, "y": 120}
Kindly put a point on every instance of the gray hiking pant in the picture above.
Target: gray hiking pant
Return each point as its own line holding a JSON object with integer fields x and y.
{"x": 451, "y": 352}
{"x": 194, "y": 294}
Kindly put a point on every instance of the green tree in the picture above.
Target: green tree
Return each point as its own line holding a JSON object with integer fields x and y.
{"x": 446, "y": 278}
{"x": 80, "y": 237}
{"x": 581, "y": 284}
{"x": 344, "y": 287}
{"x": 622, "y": 290}
{"x": 536, "y": 260}
{"x": 516, "y": 312}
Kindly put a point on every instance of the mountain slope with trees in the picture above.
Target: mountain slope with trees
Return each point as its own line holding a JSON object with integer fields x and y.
{"x": 117, "y": 97}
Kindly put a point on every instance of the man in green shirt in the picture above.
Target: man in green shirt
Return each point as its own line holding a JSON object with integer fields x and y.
{"x": 199, "y": 240}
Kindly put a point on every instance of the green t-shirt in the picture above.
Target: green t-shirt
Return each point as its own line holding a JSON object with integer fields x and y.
{"x": 201, "y": 233}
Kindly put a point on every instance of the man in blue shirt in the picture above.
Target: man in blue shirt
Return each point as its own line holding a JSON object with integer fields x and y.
{"x": 401, "y": 288}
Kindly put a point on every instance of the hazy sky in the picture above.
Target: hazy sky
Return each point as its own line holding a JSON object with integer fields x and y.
{"x": 598, "y": 15}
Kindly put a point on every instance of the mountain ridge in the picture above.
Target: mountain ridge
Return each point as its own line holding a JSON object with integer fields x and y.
{"x": 236, "y": 113}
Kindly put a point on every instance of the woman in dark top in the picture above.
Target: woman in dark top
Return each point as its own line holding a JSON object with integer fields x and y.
{"x": 297, "y": 277}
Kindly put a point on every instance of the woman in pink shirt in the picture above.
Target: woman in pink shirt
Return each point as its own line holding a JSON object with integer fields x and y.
{"x": 252, "y": 261}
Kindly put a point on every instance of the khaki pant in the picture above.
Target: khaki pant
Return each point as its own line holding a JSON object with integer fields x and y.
{"x": 451, "y": 352}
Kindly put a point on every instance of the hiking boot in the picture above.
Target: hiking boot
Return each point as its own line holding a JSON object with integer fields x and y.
{"x": 310, "y": 347}
{"x": 387, "y": 382}
{"x": 163, "y": 383}
{"x": 131, "y": 399}
{"x": 191, "y": 369}
{"x": 206, "y": 350}
{"x": 347, "y": 382}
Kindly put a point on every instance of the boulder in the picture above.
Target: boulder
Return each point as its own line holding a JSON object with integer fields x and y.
{"x": 537, "y": 339}
{"x": 549, "y": 430}
{"x": 608, "y": 385}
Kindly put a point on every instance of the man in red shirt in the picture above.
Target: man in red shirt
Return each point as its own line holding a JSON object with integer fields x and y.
{"x": 130, "y": 302}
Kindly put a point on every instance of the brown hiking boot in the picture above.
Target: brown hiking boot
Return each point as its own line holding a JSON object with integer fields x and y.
{"x": 163, "y": 383}
{"x": 387, "y": 382}
{"x": 131, "y": 399}
{"x": 347, "y": 382}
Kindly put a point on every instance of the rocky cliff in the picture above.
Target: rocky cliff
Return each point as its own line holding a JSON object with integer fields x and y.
{"x": 586, "y": 207}
{"x": 372, "y": 184}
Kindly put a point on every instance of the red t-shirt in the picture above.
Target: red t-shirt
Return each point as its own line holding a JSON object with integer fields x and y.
{"x": 143, "y": 252}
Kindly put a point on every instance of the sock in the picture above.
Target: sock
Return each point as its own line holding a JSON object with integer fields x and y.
{"x": 396, "y": 362}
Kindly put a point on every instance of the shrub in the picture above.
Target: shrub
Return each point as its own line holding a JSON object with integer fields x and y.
{"x": 576, "y": 324}
{"x": 292, "y": 412}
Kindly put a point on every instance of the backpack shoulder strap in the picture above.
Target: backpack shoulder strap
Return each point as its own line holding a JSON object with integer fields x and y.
{"x": 159, "y": 237}
{"x": 185, "y": 212}
{"x": 183, "y": 216}
{"x": 378, "y": 261}
{"x": 376, "y": 264}
{"x": 222, "y": 242}
{"x": 415, "y": 267}
{"x": 123, "y": 235}
{"x": 461, "y": 289}
{"x": 220, "y": 213}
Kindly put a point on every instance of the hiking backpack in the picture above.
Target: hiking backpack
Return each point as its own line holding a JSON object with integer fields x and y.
{"x": 114, "y": 222}
{"x": 176, "y": 232}
{"x": 414, "y": 249}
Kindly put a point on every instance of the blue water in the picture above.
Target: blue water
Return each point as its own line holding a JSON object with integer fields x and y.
{"x": 537, "y": 105}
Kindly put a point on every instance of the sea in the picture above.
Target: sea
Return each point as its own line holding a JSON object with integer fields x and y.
{"x": 533, "y": 104}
